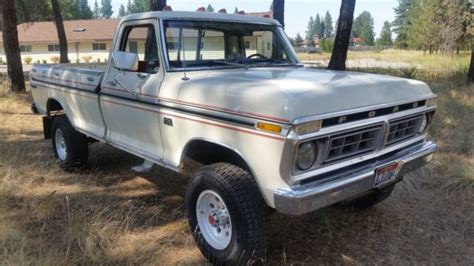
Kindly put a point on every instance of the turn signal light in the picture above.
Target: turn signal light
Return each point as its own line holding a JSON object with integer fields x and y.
{"x": 269, "y": 127}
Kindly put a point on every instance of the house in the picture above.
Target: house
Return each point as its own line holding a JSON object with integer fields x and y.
{"x": 355, "y": 41}
{"x": 88, "y": 40}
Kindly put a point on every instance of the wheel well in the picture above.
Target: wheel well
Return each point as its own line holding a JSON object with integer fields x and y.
{"x": 53, "y": 105}
{"x": 201, "y": 152}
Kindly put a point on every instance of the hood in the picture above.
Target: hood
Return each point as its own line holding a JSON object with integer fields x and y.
{"x": 285, "y": 94}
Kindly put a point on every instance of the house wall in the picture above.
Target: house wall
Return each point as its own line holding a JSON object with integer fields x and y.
{"x": 40, "y": 54}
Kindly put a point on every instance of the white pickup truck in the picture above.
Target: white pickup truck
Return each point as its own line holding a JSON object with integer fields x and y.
{"x": 223, "y": 98}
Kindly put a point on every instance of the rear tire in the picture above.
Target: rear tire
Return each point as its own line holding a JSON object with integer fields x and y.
{"x": 70, "y": 147}
{"x": 372, "y": 199}
{"x": 227, "y": 215}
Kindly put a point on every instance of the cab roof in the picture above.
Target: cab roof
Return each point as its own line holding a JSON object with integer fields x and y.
{"x": 206, "y": 16}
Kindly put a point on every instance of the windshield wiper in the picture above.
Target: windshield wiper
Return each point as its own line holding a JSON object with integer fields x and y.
{"x": 271, "y": 61}
{"x": 230, "y": 63}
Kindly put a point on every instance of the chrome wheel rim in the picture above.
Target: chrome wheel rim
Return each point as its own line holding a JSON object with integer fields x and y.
{"x": 214, "y": 219}
{"x": 60, "y": 142}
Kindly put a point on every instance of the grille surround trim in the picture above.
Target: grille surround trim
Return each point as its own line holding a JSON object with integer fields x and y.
{"x": 369, "y": 136}
{"x": 402, "y": 129}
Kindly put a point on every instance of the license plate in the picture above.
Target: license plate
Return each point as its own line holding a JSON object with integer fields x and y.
{"x": 385, "y": 174}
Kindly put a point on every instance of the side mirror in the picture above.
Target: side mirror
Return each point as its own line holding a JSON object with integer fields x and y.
{"x": 125, "y": 61}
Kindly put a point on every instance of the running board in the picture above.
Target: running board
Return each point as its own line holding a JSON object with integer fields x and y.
{"x": 144, "y": 167}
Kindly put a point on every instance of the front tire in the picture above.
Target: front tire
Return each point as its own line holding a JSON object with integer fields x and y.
{"x": 71, "y": 148}
{"x": 227, "y": 215}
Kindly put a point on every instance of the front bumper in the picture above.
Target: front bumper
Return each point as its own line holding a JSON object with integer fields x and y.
{"x": 304, "y": 199}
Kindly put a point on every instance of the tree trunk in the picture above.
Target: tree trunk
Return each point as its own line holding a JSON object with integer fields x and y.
{"x": 58, "y": 19}
{"x": 279, "y": 11}
{"x": 157, "y": 5}
{"x": 12, "y": 47}
{"x": 343, "y": 36}
{"x": 470, "y": 74}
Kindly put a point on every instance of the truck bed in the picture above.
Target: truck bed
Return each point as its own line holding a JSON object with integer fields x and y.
{"x": 66, "y": 77}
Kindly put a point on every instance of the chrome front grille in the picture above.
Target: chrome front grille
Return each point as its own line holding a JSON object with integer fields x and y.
{"x": 403, "y": 129}
{"x": 353, "y": 143}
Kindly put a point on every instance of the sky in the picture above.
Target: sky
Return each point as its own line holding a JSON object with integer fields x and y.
{"x": 297, "y": 11}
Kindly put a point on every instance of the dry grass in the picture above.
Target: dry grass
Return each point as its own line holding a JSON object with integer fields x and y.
{"x": 108, "y": 214}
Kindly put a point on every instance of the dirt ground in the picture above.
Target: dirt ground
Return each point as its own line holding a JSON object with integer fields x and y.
{"x": 107, "y": 214}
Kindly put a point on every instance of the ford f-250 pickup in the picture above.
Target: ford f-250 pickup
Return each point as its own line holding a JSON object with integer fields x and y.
{"x": 226, "y": 93}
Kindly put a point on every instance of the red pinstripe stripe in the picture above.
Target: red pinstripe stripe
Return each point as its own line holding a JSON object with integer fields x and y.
{"x": 198, "y": 121}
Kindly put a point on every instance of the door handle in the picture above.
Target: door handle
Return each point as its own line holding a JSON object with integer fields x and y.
{"x": 112, "y": 83}
{"x": 91, "y": 79}
{"x": 141, "y": 75}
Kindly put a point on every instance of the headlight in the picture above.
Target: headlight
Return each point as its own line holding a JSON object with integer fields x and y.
{"x": 424, "y": 124}
{"x": 306, "y": 155}
{"x": 431, "y": 102}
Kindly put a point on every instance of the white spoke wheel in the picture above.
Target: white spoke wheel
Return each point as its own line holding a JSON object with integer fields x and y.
{"x": 214, "y": 219}
{"x": 61, "y": 148}
{"x": 70, "y": 147}
{"x": 227, "y": 215}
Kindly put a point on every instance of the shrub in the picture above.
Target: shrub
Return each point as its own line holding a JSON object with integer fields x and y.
{"x": 326, "y": 45}
{"x": 87, "y": 58}
{"x": 27, "y": 60}
{"x": 54, "y": 59}
{"x": 44, "y": 61}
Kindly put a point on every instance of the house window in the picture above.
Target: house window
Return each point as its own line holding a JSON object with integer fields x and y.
{"x": 247, "y": 44}
{"x": 25, "y": 48}
{"x": 53, "y": 48}
{"x": 99, "y": 47}
{"x": 133, "y": 47}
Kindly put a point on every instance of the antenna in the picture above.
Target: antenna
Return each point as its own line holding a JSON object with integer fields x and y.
{"x": 185, "y": 78}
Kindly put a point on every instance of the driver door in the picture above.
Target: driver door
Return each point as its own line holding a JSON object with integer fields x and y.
{"x": 129, "y": 98}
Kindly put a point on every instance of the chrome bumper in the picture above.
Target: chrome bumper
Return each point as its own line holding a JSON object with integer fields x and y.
{"x": 296, "y": 201}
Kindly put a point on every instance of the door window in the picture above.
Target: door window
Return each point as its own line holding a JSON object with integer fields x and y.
{"x": 141, "y": 40}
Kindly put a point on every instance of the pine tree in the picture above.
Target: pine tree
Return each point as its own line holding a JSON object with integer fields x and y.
{"x": 455, "y": 19}
{"x": 298, "y": 40}
{"x": 85, "y": 10}
{"x": 318, "y": 27}
{"x": 236, "y": 10}
{"x": 129, "y": 7}
{"x": 401, "y": 23}
{"x": 385, "y": 35}
{"x": 58, "y": 20}
{"x": 328, "y": 28}
{"x": 209, "y": 8}
{"x": 96, "y": 10}
{"x": 424, "y": 18}
{"x": 106, "y": 9}
{"x": 310, "y": 31}
{"x": 364, "y": 28}
{"x": 12, "y": 46}
{"x": 343, "y": 34}
{"x": 122, "y": 12}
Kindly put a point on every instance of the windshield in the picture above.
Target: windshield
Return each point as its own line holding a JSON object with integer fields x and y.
{"x": 198, "y": 44}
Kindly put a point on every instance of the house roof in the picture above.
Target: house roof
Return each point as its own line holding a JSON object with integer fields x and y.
{"x": 104, "y": 29}
{"x": 95, "y": 29}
